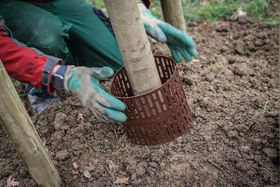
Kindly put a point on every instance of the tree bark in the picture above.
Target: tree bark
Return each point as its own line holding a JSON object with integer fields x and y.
{"x": 134, "y": 45}
{"x": 20, "y": 129}
{"x": 173, "y": 13}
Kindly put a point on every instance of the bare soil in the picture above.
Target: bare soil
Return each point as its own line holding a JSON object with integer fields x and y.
{"x": 233, "y": 92}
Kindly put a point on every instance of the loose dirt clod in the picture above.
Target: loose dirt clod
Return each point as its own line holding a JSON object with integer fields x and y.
{"x": 271, "y": 152}
{"x": 62, "y": 155}
{"x": 244, "y": 148}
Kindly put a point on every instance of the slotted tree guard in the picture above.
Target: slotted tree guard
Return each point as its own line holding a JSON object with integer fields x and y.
{"x": 150, "y": 87}
{"x": 134, "y": 45}
{"x": 173, "y": 13}
{"x": 20, "y": 129}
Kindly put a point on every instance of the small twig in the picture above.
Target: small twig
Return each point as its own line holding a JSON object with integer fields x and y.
{"x": 267, "y": 171}
{"x": 2, "y": 162}
{"x": 147, "y": 148}
{"x": 214, "y": 164}
{"x": 116, "y": 134}
{"x": 265, "y": 108}
{"x": 258, "y": 115}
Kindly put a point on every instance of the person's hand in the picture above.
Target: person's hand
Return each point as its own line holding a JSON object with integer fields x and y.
{"x": 84, "y": 82}
{"x": 180, "y": 44}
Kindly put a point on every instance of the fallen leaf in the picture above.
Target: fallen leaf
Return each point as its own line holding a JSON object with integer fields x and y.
{"x": 121, "y": 180}
{"x": 11, "y": 182}
{"x": 75, "y": 172}
{"x": 111, "y": 167}
{"x": 87, "y": 174}
{"x": 80, "y": 117}
{"x": 238, "y": 14}
{"x": 195, "y": 60}
{"x": 223, "y": 26}
{"x": 91, "y": 167}
{"x": 75, "y": 165}
{"x": 204, "y": 25}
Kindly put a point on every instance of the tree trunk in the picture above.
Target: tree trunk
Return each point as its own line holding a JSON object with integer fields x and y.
{"x": 134, "y": 45}
{"x": 20, "y": 129}
{"x": 173, "y": 13}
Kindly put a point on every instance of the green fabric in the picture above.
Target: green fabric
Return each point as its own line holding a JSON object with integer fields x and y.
{"x": 35, "y": 27}
{"x": 68, "y": 29}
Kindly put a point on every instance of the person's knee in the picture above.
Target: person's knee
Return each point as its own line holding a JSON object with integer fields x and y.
{"x": 47, "y": 35}
{"x": 34, "y": 26}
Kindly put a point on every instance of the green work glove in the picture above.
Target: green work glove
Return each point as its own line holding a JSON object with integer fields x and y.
{"x": 84, "y": 82}
{"x": 180, "y": 44}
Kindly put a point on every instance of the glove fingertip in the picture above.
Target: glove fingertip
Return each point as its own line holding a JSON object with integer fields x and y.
{"x": 194, "y": 52}
{"x": 122, "y": 118}
{"x": 178, "y": 60}
{"x": 119, "y": 105}
{"x": 176, "y": 56}
{"x": 188, "y": 58}
{"x": 161, "y": 37}
{"x": 107, "y": 71}
{"x": 111, "y": 101}
{"x": 117, "y": 116}
{"x": 116, "y": 104}
{"x": 155, "y": 32}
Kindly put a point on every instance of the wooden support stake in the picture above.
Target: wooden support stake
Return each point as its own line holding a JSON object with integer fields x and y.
{"x": 173, "y": 13}
{"x": 134, "y": 45}
{"x": 20, "y": 129}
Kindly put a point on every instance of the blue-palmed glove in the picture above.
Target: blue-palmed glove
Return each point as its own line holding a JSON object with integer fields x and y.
{"x": 84, "y": 82}
{"x": 180, "y": 44}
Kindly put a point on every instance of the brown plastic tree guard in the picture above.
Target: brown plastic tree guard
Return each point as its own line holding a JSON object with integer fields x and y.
{"x": 173, "y": 13}
{"x": 20, "y": 129}
{"x": 134, "y": 45}
{"x": 158, "y": 116}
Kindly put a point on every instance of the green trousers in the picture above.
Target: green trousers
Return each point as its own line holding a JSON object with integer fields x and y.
{"x": 67, "y": 29}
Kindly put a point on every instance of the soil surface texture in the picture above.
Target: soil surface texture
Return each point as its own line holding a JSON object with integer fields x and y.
{"x": 233, "y": 92}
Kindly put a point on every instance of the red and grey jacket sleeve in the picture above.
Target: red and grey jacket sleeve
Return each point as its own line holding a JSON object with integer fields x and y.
{"x": 21, "y": 62}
